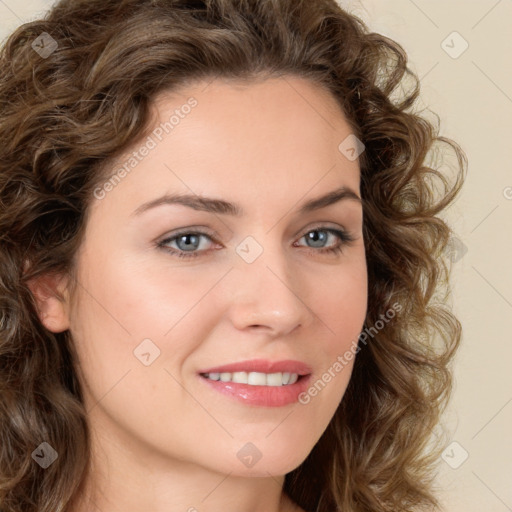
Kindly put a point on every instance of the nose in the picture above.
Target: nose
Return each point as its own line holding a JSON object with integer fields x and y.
{"x": 268, "y": 294}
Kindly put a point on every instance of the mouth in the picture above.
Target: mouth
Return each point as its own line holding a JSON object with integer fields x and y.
{"x": 255, "y": 378}
{"x": 264, "y": 366}
{"x": 259, "y": 382}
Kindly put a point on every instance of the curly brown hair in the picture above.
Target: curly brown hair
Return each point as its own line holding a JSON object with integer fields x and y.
{"x": 66, "y": 115}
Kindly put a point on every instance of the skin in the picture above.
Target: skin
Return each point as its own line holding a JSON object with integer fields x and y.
{"x": 162, "y": 439}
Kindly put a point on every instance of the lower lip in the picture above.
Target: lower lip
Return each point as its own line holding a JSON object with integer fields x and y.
{"x": 265, "y": 396}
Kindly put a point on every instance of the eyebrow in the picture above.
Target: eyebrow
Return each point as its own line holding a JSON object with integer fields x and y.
{"x": 219, "y": 206}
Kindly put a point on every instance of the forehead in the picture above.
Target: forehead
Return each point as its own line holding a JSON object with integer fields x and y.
{"x": 266, "y": 123}
{"x": 274, "y": 99}
{"x": 254, "y": 140}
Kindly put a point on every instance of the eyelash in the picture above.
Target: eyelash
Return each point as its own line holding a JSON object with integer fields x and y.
{"x": 344, "y": 236}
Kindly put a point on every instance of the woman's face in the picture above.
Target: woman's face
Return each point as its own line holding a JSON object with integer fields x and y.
{"x": 257, "y": 285}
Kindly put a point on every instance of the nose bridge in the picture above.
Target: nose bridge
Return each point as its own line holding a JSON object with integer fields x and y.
{"x": 266, "y": 289}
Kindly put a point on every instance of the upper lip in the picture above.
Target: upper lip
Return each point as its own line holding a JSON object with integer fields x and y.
{"x": 263, "y": 366}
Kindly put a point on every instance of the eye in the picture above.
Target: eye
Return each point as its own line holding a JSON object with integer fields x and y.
{"x": 188, "y": 243}
{"x": 320, "y": 235}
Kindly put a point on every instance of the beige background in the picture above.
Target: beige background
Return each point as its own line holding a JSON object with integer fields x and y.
{"x": 472, "y": 92}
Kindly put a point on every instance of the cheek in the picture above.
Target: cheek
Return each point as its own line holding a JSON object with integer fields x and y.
{"x": 124, "y": 318}
{"x": 341, "y": 307}
{"x": 124, "y": 303}
{"x": 137, "y": 299}
{"x": 341, "y": 304}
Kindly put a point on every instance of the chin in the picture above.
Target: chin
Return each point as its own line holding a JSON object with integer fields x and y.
{"x": 253, "y": 464}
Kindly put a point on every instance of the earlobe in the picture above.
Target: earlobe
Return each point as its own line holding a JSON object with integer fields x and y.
{"x": 51, "y": 298}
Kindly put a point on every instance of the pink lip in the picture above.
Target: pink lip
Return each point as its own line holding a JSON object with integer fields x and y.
{"x": 265, "y": 396}
{"x": 263, "y": 366}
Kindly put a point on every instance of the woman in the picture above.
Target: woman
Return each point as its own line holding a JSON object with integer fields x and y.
{"x": 221, "y": 262}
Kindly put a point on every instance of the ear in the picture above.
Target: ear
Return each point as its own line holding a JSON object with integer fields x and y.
{"x": 52, "y": 299}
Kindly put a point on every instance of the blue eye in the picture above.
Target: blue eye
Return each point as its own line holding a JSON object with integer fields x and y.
{"x": 188, "y": 242}
{"x": 344, "y": 238}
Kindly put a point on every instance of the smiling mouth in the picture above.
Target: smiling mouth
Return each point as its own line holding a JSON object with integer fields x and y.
{"x": 255, "y": 378}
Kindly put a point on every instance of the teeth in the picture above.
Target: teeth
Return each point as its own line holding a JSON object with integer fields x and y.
{"x": 255, "y": 378}
{"x": 240, "y": 377}
{"x": 225, "y": 377}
